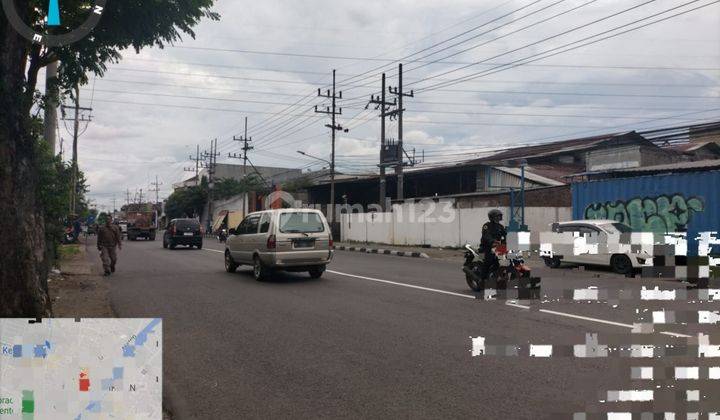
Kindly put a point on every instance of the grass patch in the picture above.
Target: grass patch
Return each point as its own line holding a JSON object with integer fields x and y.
{"x": 68, "y": 251}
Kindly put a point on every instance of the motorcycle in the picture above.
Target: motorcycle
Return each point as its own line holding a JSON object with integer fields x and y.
{"x": 68, "y": 236}
{"x": 509, "y": 266}
{"x": 222, "y": 235}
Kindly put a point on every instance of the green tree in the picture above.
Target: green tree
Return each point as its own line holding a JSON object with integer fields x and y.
{"x": 54, "y": 178}
{"x": 228, "y": 187}
{"x": 124, "y": 25}
{"x": 187, "y": 202}
{"x": 297, "y": 184}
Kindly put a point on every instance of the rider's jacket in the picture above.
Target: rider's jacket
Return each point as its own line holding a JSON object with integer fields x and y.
{"x": 491, "y": 232}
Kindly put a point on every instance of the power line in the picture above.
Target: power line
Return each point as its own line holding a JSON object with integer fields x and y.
{"x": 543, "y": 54}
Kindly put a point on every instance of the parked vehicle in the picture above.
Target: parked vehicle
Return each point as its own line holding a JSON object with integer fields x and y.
{"x": 141, "y": 224}
{"x": 186, "y": 232}
{"x": 282, "y": 239}
{"x": 510, "y": 266}
{"x": 607, "y": 232}
{"x": 123, "y": 225}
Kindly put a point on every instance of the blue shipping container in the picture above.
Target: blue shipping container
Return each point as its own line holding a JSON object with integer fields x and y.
{"x": 673, "y": 202}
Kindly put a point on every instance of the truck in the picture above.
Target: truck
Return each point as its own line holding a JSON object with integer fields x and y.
{"x": 141, "y": 224}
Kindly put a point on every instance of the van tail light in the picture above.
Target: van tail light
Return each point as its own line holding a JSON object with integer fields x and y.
{"x": 271, "y": 242}
{"x": 330, "y": 242}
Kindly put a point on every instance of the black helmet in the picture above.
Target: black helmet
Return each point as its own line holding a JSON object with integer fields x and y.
{"x": 494, "y": 213}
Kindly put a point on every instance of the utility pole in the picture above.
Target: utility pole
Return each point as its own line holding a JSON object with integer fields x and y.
{"x": 51, "y": 104}
{"x": 334, "y": 112}
{"x": 245, "y": 139}
{"x": 210, "y": 163}
{"x": 156, "y": 188}
{"x": 114, "y": 205}
{"x": 383, "y": 105}
{"x": 197, "y": 160}
{"x": 398, "y": 92}
{"x": 127, "y": 196}
{"x": 77, "y": 118}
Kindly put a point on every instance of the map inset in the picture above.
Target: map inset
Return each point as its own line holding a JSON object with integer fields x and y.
{"x": 80, "y": 369}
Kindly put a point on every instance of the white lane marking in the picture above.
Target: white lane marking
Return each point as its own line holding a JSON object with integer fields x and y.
{"x": 517, "y": 305}
{"x": 586, "y": 318}
{"x": 213, "y": 250}
{"x": 412, "y": 286}
{"x": 509, "y": 303}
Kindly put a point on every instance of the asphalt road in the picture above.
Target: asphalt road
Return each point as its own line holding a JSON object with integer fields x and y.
{"x": 376, "y": 337}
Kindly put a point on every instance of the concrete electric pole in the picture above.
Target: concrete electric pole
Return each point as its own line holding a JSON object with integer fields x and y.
{"x": 398, "y": 92}
{"x": 383, "y": 105}
{"x": 156, "y": 188}
{"x": 197, "y": 160}
{"x": 210, "y": 163}
{"x": 246, "y": 147}
{"x": 334, "y": 111}
{"x": 77, "y": 118}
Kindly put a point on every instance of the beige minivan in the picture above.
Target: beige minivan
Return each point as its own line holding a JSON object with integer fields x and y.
{"x": 281, "y": 239}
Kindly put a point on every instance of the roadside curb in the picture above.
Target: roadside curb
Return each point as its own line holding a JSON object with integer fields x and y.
{"x": 383, "y": 251}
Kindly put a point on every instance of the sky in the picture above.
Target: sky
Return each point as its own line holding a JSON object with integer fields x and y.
{"x": 467, "y": 62}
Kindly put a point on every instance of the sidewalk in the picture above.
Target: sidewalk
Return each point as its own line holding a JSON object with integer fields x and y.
{"x": 79, "y": 289}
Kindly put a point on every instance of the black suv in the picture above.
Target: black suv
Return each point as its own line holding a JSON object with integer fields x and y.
{"x": 183, "y": 232}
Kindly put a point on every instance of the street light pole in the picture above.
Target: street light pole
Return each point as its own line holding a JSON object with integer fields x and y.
{"x": 314, "y": 157}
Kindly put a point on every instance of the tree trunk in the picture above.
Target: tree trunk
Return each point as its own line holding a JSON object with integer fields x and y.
{"x": 23, "y": 260}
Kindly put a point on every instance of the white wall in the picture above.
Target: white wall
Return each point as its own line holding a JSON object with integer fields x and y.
{"x": 436, "y": 224}
{"x": 231, "y": 204}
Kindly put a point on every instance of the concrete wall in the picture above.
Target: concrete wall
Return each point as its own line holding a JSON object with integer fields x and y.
{"x": 231, "y": 204}
{"x": 542, "y": 197}
{"x": 436, "y": 223}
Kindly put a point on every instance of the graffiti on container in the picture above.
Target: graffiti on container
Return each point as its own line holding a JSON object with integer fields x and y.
{"x": 662, "y": 214}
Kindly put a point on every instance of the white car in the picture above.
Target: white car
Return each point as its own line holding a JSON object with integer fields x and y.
{"x": 599, "y": 245}
{"x": 122, "y": 224}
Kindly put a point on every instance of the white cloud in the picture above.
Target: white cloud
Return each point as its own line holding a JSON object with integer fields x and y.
{"x": 167, "y": 128}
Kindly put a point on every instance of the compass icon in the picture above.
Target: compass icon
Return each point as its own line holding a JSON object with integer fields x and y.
{"x": 53, "y": 18}
{"x": 51, "y": 39}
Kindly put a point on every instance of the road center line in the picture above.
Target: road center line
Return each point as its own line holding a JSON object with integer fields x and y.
{"x": 412, "y": 286}
{"x": 513, "y": 304}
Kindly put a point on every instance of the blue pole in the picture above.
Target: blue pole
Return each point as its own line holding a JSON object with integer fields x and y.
{"x": 53, "y": 18}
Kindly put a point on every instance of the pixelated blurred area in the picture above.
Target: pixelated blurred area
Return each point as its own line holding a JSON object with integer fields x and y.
{"x": 645, "y": 254}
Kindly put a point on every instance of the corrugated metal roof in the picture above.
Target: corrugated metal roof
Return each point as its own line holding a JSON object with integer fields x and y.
{"x": 669, "y": 167}
{"x": 693, "y": 146}
{"x": 546, "y": 149}
{"x": 530, "y": 176}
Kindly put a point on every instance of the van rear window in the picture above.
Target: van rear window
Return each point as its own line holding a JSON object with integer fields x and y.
{"x": 301, "y": 222}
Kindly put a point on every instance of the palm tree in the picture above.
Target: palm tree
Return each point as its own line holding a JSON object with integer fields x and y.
{"x": 53, "y": 13}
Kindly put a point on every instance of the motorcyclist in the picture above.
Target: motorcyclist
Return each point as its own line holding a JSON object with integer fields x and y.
{"x": 493, "y": 233}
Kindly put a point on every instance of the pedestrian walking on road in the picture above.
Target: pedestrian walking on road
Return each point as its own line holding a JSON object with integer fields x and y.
{"x": 109, "y": 240}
